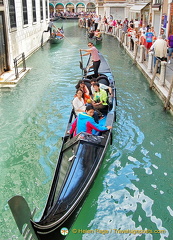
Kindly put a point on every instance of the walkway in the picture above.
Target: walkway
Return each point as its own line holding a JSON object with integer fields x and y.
{"x": 162, "y": 82}
{"x": 8, "y": 79}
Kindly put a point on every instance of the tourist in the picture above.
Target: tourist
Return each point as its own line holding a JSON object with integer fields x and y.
{"x": 100, "y": 98}
{"x": 97, "y": 33}
{"x": 160, "y": 49}
{"x": 110, "y": 25}
{"x": 91, "y": 34}
{"x": 131, "y": 24}
{"x": 94, "y": 56}
{"x": 101, "y": 85}
{"x": 149, "y": 39}
{"x": 136, "y": 25}
{"x": 143, "y": 29}
{"x": 86, "y": 94}
{"x": 96, "y": 22}
{"x": 85, "y": 123}
{"x": 162, "y": 33}
{"x": 78, "y": 102}
{"x": 170, "y": 48}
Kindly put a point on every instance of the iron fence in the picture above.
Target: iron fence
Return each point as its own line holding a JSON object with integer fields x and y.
{"x": 19, "y": 60}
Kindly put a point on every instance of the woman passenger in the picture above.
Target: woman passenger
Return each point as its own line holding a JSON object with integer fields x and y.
{"x": 78, "y": 102}
{"x": 81, "y": 85}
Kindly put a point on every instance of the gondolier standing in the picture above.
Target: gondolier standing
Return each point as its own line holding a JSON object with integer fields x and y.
{"x": 50, "y": 25}
{"x": 95, "y": 57}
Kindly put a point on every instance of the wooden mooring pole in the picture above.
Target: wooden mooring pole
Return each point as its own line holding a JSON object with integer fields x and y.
{"x": 169, "y": 96}
{"x": 136, "y": 52}
{"x": 154, "y": 74}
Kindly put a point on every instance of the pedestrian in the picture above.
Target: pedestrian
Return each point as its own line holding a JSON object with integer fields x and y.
{"x": 50, "y": 25}
{"x": 143, "y": 29}
{"x": 160, "y": 49}
{"x": 136, "y": 25}
{"x": 149, "y": 39}
{"x": 162, "y": 33}
{"x": 94, "y": 56}
{"x": 96, "y": 22}
{"x": 170, "y": 48}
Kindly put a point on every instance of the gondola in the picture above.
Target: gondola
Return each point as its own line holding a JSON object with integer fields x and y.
{"x": 95, "y": 40}
{"x": 56, "y": 40}
{"x": 79, "y": 161}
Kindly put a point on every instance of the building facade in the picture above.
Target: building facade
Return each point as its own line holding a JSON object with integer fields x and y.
{"x": 75, "y": 6}
{"x": 157, "y": 13}
{"x": 22, "y": 23}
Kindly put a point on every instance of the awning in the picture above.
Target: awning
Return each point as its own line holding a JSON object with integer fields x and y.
{"x": 156, "y": 7}
{"x": 137, "y": 7}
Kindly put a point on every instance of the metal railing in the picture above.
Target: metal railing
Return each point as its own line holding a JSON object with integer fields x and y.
{"x": 19, "y": 60}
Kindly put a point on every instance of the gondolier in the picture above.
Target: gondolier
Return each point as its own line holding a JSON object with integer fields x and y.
{"x": 50, "y": 25}
{"x": 95, "y": 57}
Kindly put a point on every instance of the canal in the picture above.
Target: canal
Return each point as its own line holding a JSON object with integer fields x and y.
{"x": 133, "y": 190}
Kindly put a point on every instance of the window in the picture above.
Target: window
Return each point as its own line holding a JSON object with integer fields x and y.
{"x": 34, "y": 11}
{"x": 41, "y": 9}
{"x": 158, "y": 1}
{"x": 12, "y": 13}
{"x": 46, "y": 9}
{"x": 25, "y": 13}
{"x": 1, "y": 2}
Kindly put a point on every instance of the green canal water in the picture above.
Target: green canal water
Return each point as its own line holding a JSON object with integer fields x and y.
{"x": 133, "y": 190}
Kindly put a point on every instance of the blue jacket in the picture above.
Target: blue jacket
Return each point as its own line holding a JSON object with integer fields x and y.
{"x": 85, "y": 123}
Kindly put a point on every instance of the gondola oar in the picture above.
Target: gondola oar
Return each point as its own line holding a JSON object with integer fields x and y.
{"x": 81, "y": 62}
{"x": 66, "y": 38}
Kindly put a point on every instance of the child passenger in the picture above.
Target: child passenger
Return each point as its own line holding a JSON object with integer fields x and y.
{"x": 85, "y": 123}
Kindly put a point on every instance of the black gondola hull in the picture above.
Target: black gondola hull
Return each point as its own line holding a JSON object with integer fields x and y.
{"x": 78, "y": 164}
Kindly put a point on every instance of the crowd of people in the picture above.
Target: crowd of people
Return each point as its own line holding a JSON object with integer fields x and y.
{"x": 138, "y": 32}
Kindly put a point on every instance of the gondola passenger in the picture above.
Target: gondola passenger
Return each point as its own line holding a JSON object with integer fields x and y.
{"x": 80, "y": 106}
{"x": 78, "y": 102}
{"x": 101, "y": 85}
{"x": 85, "y": 123}
{"x": 81, "y": 85}
{"x": 100, "y": 98}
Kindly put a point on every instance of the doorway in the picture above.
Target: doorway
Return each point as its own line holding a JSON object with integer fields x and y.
{"x": 3, "y": 57}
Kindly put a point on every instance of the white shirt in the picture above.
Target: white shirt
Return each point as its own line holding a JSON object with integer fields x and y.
{"x": 78, "y": 104}
{"x": 136, "y": 24}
